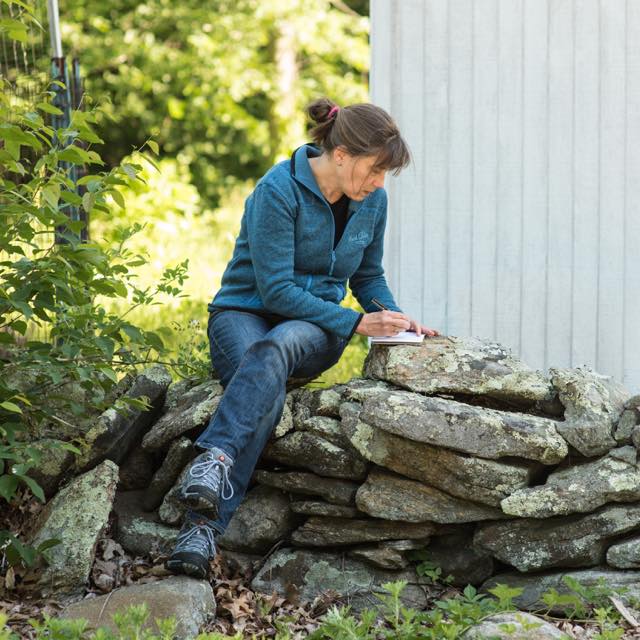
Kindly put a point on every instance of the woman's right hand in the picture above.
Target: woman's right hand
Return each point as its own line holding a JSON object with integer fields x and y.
{"x": 383, "y": 323}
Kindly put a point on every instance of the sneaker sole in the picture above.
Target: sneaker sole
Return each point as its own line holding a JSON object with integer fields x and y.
{"x": 179, "y": 566}
{"x": 199, "y": 504}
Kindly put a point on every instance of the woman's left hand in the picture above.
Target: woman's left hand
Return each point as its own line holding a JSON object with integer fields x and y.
{"x": 420, "y": 329}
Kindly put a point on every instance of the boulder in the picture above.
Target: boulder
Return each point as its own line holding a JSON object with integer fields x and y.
{"x": 262, "y": 519}
{"x": 53, "y": 459}
{"x": 76, "y": 516}
{"x": 567, "y": 541}
{"x": 180, "y": 453}
{"x": 581, "y": 488}
{"x": 393, "y": 497}
{"x": 188, "y": 600}
{"x": 475, "y": 430}
{"x": 329, "y": 532}
{"x": 316, "y": 402}
{"x": 116, "y": 431}
{"x": 326, "y": 428}
{"x": 191, "y": 411}
{"x": 466, "y": 366}
{"x": 138, "y": 532}
{"x": 515, "y": 625}
{"x": 458, "y": 474}
{"x": 625, "y": 554}
{"x": 303, "y": 449}
{"x": 593, "y": 405}
{"x": 300, "y": 482}
{"x": 625, "y": 583}
{"x": 302, "y": 574}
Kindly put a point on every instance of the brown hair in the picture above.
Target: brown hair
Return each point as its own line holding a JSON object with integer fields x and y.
{"x": 362, "y": 129}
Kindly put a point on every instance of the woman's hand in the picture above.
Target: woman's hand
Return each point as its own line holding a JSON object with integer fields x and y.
{"x": 390, "y": 323}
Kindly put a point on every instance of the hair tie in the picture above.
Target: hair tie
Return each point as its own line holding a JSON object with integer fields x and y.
{"x": 333, "y": 112}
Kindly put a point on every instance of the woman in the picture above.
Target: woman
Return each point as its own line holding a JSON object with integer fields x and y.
{"x": 312, "y": 224}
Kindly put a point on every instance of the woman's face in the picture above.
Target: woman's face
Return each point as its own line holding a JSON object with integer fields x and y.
{"x": 357, "y": 175}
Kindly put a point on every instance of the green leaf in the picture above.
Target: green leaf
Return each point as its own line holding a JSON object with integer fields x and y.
{"x": 49, "y": 108}
{"x": 110, "y": 373}
{"x": 10, "y": 406}
{"x": 153, "y": 145}
{"x": 8, "y": 486}
{"x": 36, "y": 489}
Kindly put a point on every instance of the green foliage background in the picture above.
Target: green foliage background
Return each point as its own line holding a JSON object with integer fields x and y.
{"x": 221, "y": 86}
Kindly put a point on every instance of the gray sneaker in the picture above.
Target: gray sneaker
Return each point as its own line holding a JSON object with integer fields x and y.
{"x": 206, "y": 481}
{"x": 195, "y": 546}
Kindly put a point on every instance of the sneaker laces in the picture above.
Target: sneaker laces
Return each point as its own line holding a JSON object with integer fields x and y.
{"x": 204, "y": 472}
{"x": 198, "y": 538}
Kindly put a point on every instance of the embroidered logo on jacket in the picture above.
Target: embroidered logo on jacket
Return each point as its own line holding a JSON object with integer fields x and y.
{"x": 359, "y": 238}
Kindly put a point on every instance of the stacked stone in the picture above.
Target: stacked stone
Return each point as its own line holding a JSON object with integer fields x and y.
{"x": 454, "y": 447}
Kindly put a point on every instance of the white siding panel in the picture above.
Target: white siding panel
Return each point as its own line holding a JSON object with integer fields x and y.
{"x": 520, "y": 220}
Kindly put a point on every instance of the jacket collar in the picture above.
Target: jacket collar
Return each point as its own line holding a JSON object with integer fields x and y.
{"x": 301, "y": 171}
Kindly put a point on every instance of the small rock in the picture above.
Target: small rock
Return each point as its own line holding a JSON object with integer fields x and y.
{"x": 326, "y": 428}
{"x": 392, "y": 497}
{"x": 307, "y": 450}
{"x": 515, "y": 625}
{"x": 286, "y": 421}
{"x": 625, "y": 554}
{"x": 172, "y": 510}
{"x": 138, "y": 532}
{"x": 327, "y": 532}
{"x": 299, "y": 482}
{"x": 593, "y": 405}
{"x": 76, "y": 516}
{"x": 382, "y": 556}
{"x": 188, "y": 600}
{"x": 567, "y": 541}
{"x": 319, "y": 508}
{"x": 316, "y": 402}
{"x": 262, "y": 519}
{"x": 180, "y": 453}
{"x": 192, "y": 411}
{"x": 581, "y": 488}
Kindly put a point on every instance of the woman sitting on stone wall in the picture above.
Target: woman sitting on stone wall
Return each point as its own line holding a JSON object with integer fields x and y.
{"x": 312, "y": 224}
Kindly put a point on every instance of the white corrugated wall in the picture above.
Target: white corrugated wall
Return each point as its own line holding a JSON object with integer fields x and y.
{"x": 520, "y": 219}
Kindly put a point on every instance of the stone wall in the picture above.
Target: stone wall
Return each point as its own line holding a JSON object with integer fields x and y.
{"x": 496, "y": 472}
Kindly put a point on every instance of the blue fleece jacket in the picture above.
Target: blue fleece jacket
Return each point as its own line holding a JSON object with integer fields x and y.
{"x": 284, "y": 261}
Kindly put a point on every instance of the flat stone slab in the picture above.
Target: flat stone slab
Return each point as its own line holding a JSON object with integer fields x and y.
{"x": 329, "y": 532}
{"x": 625, "y": 554}
{"x": 324, "y": 427}
{"x": 515, "y": 625}
{"x": 316, "y": 402}
{"x": 478, "y": 431}
{"x": 190, "y": 601}
{"x": 450, "y": 365}
{"x": 305, "y": 574}
{"x": 381, "y": 556}
{"x": 581, "y": 488}
{"x": 568, "y": 541}
{"x": 458, "y": 474}
{"x": 626, "y": 583}
{"x": 303, "y": 449}
{"x": 76, "y": 516}
{"x": 300, "y": 482}
{"x": 192, "y": 410}
{"x": 593, "y": 405}
{"x": 116, "y": 432}
{"x": 319, "y": 508}
{"x": 262, "y": 519}
{"x": 393, "y": 497}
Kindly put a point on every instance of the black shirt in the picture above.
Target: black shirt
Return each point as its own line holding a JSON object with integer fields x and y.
{"x": 340, "y": 210}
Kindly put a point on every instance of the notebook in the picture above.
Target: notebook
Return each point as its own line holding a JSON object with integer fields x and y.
{"x": 404, "y": 337}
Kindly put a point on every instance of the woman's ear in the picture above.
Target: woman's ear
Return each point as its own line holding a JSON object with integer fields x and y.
{"x": 339, "y": 155}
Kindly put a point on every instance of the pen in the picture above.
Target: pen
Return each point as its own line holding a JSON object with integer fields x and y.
{"x": 379, "y": 304}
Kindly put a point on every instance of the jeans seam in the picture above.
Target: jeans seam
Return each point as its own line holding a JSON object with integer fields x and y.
{"x": 222, "y": 351}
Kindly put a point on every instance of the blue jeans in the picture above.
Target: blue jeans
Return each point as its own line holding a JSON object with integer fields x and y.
{"x": 254, "y": 358}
